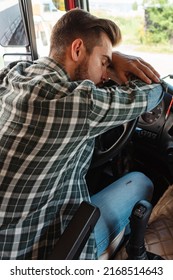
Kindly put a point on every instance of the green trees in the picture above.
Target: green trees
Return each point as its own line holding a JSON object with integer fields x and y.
{"x": 158, "y": 21}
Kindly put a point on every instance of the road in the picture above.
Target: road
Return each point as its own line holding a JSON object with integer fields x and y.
{"x": 162, "y": 62}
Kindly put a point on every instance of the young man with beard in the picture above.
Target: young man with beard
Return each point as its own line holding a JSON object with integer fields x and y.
{"x": 52, "y": 110}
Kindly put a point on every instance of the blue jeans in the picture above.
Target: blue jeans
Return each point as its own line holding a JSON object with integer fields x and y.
{"x": 116, "y": 203}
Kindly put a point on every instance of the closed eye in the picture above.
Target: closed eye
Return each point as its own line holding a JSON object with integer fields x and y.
{"x": 106, "y": 62}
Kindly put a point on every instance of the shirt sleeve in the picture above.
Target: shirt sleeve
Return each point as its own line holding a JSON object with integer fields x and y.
{"x": 112, "y": 106}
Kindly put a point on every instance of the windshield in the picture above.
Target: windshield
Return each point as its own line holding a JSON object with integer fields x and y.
{"x": 147, "y": 28}
{"x": 146, "y": 25}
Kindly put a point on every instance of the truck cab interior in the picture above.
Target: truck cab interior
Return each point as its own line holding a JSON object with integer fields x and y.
{"x": 145, "y": 144}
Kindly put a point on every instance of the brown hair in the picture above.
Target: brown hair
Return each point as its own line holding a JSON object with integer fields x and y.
{"x": 81, "y": 24}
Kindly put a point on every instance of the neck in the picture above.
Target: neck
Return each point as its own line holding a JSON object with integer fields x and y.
{"x": 66, "y": 63}
{"x": 58, "y": 59}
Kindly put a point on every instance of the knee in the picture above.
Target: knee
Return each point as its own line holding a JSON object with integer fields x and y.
{"x": 143, "y": 184}
{"x": 142, "y": 179}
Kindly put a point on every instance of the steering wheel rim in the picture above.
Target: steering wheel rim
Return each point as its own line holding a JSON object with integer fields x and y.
{"x": 100, "y": 157}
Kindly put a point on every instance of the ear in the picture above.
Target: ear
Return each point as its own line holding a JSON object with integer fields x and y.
{"x": 77, "y": 48}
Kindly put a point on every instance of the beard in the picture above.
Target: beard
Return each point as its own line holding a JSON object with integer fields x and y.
{"x": 81, "y": 72}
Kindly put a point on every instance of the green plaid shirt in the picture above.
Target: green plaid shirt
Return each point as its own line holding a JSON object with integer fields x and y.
{"x": 47, "y": 129}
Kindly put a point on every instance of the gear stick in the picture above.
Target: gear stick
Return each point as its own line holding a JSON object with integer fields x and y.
{"x": 135, "y": 247}
{"x": 138, "y": 222}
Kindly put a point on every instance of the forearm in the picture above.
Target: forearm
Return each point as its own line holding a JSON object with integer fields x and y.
{"x": 118, "y": 104}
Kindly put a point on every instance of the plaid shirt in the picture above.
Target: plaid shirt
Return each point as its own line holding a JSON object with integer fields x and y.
{"x": 47, "y": 129}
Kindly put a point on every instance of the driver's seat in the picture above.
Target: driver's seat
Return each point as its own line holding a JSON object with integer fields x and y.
{"x": 70, "y": 244}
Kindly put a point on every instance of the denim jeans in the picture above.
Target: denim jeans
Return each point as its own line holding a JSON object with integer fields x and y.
{"x": 116, "y": 203}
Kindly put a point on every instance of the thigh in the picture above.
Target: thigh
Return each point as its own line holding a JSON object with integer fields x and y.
{"x": 116, "y": 203}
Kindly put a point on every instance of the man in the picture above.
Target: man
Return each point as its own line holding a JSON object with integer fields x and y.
{"x": 51, "y": 111}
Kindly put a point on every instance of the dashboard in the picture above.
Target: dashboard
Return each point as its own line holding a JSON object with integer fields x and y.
{"x": 159, "y": 115}
{"x": 154, "y": 131}
{"x": 153, "y": 116}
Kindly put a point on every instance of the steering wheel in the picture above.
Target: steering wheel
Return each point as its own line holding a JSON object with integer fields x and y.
{"x": 109, "y": 144}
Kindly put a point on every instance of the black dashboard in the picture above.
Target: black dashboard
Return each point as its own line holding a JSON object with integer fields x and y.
{"x": 154, "y": 133}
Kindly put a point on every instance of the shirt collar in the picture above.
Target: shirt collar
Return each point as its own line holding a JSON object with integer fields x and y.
{"x": 50, "y": 63}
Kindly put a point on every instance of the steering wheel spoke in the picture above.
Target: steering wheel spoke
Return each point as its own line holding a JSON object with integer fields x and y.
{"x": 108, "y": 145}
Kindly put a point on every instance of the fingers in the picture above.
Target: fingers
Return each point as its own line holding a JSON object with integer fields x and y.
{"x": 149, "y": 66}
{"x": 145, "y": 71}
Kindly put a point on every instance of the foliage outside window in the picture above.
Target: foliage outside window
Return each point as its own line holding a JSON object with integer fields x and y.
{"x": 159, "y": 22}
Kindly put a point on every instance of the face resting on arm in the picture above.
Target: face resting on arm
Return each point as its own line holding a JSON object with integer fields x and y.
{"x": 123, "y": 66}
{"x": 83, "y": 49}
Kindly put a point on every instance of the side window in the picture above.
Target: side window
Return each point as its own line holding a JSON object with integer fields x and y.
{"x": 14, "y": 41}
{"x": 45, "y": 15}
{"x": 12, "y": 31}
{"x": 46, "y": 7}
{"x": 25, "y": 26}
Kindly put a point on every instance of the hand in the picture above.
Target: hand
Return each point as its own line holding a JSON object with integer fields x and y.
{"x": 126, "y": 66}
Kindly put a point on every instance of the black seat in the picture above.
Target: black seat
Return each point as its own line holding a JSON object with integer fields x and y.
{"x": 75, "y": 236}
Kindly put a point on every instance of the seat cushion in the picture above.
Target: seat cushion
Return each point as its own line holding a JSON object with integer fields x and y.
{"x": 110, "y": 251}
{"x": 159, "y": 233}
